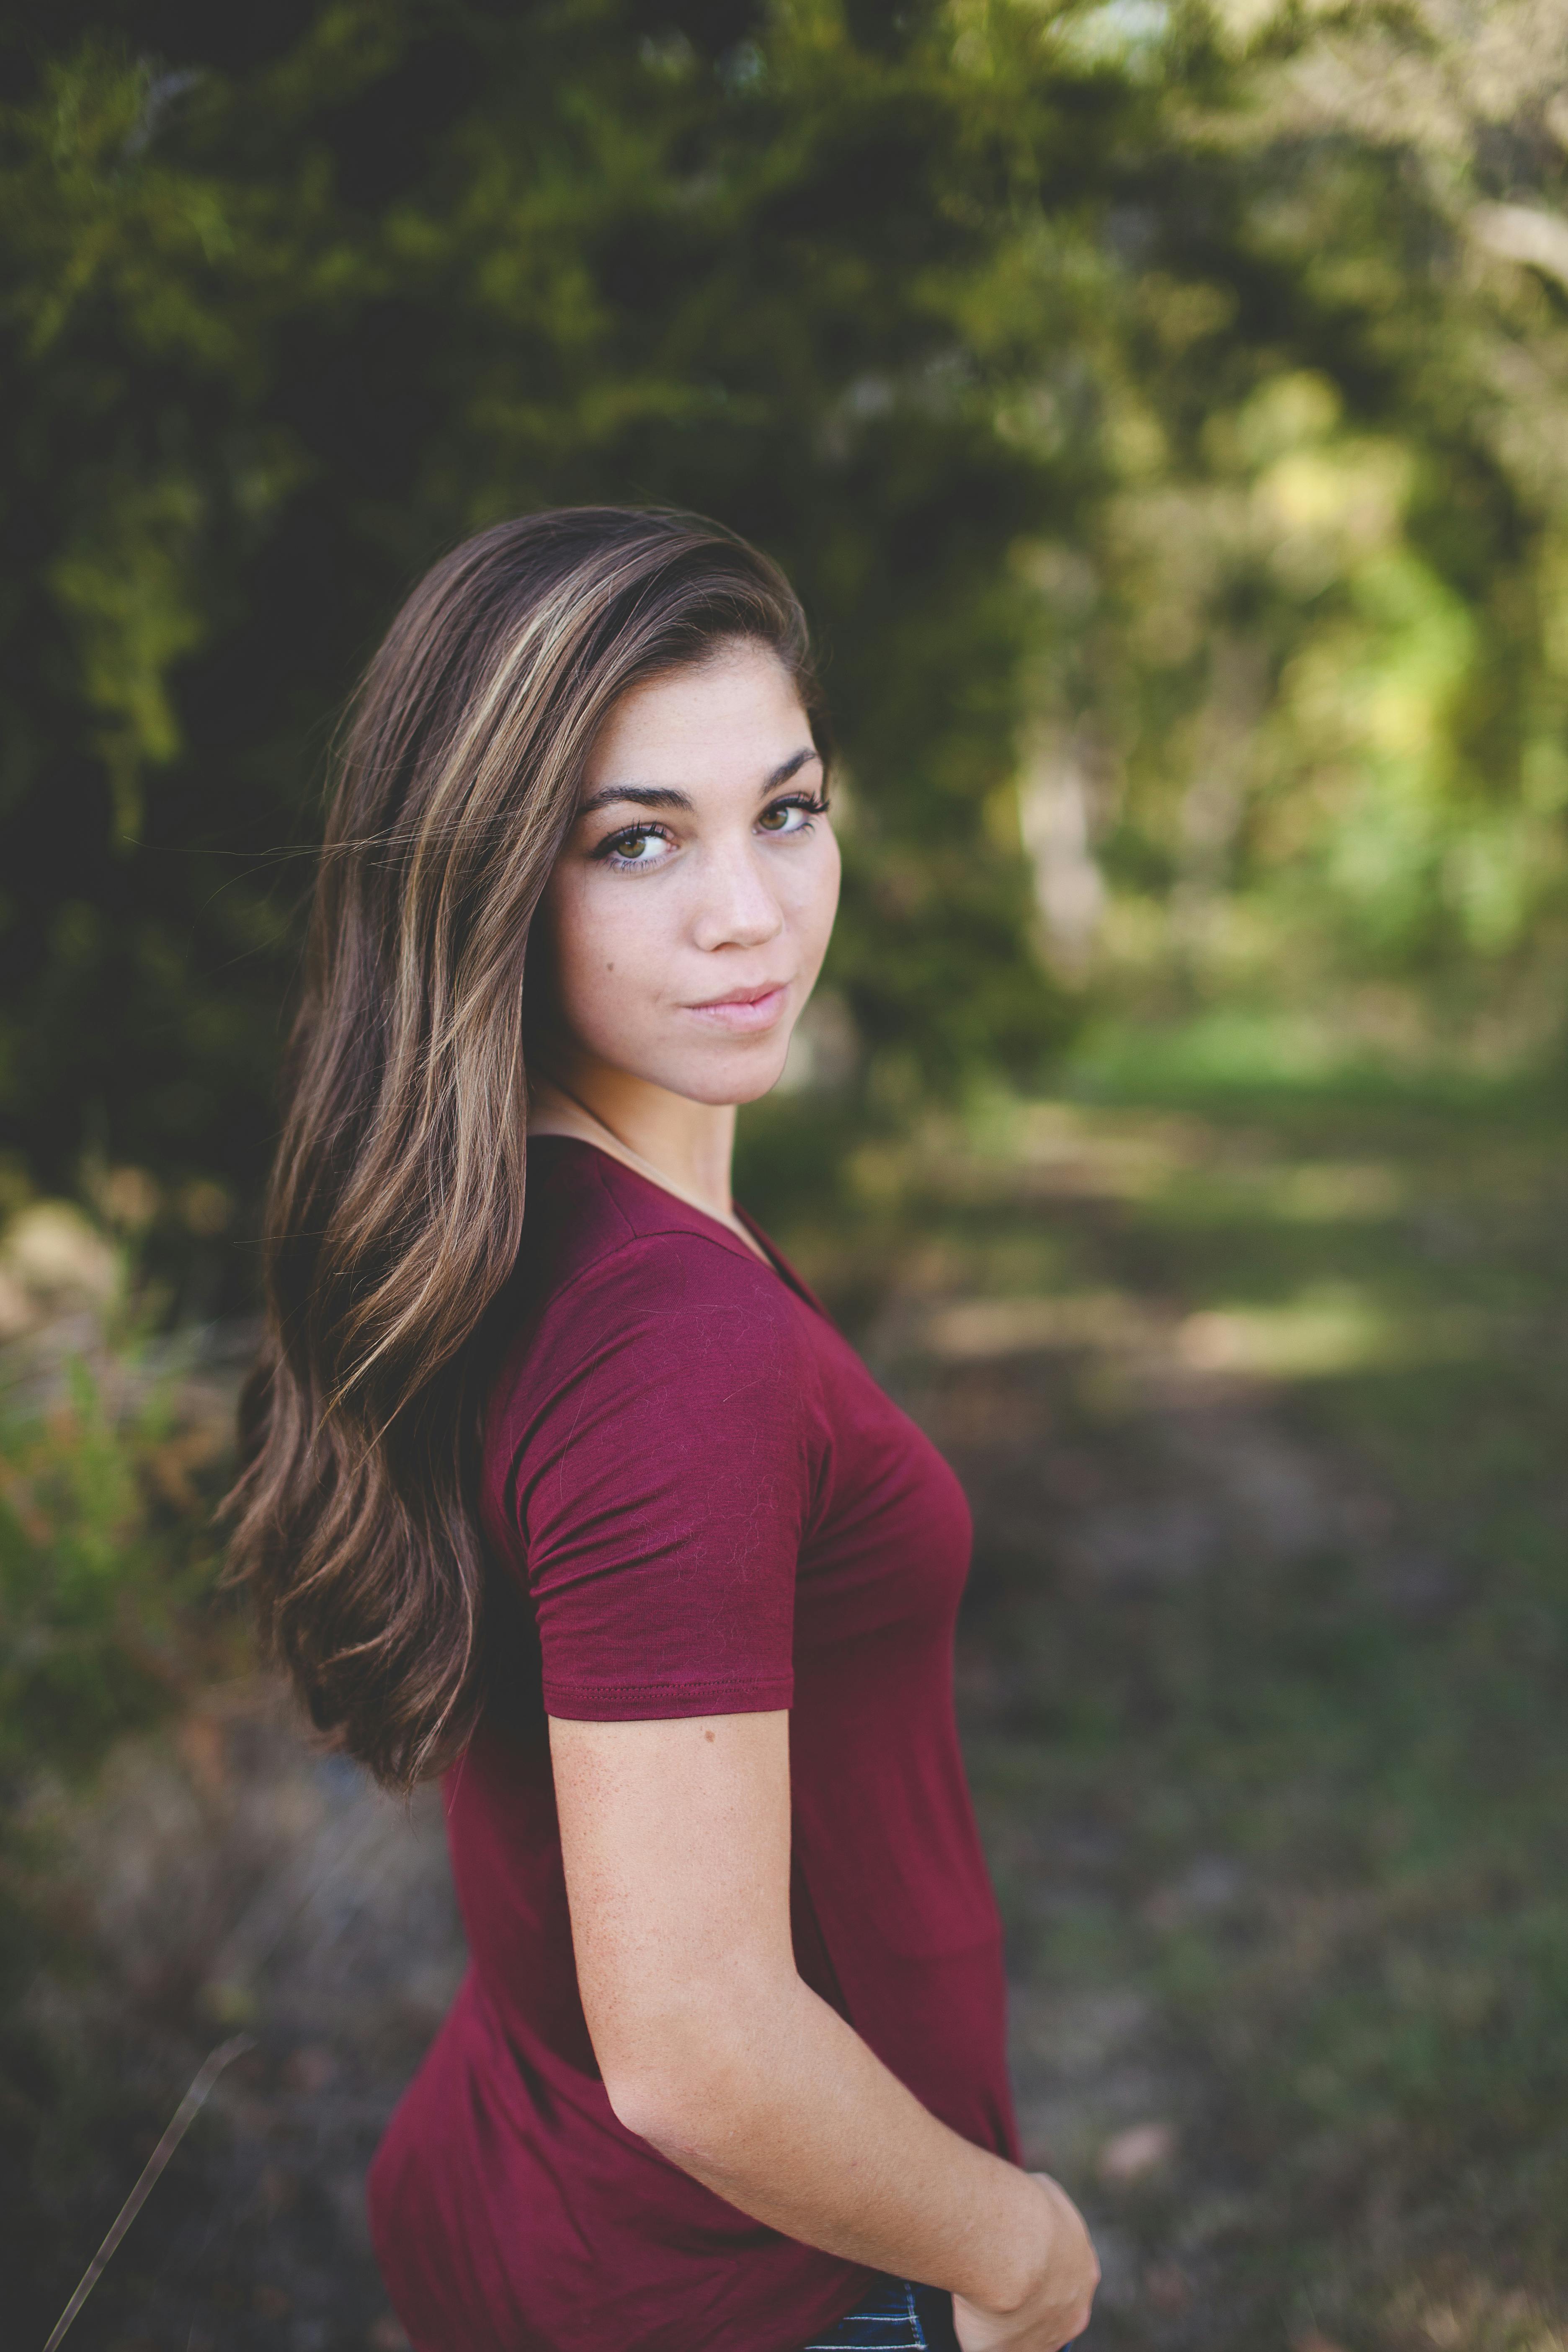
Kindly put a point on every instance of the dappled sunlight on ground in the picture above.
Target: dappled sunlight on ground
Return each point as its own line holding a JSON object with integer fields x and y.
{"x": 1261, "y": 1677}
{"x": 1259, "y": 1406}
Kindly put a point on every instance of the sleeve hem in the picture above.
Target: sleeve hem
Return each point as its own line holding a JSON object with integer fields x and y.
{"x": 663, "y": 1701}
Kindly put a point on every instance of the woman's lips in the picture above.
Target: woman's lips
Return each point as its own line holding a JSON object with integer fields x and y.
{"x": 743, "y": 1015}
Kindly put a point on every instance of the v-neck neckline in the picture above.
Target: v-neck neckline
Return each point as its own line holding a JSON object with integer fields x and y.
{"x": 771, "y": 1256}
{"x": 780, "y": 1264}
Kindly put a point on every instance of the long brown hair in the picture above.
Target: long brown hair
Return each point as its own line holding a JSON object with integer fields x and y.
{"x": 395, "y": 1212}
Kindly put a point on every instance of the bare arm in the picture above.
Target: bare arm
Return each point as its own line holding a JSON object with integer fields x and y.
{"x": 676, "y": 1837}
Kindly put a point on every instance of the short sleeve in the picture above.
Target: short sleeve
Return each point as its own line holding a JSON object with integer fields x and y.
{"x": 662, "y": 1485}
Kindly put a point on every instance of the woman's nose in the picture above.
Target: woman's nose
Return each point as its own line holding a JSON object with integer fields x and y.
{"x": 738, "y": 906}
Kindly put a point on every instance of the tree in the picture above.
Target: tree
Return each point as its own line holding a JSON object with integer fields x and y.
{"x": 289, "y": 310}
{"x": 1162, "y": 414}
{"x": 1316, "y": 626}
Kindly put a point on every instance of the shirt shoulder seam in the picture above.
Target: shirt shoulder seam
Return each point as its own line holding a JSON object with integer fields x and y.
{"x": 632, "y": 1241}
{"x": 660, "y": 1233}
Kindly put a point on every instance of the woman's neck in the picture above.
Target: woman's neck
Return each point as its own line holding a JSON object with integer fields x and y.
{"x": 686, "y": 1146}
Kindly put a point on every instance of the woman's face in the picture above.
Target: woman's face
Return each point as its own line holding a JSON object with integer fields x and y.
{"x": 690, "y": 908}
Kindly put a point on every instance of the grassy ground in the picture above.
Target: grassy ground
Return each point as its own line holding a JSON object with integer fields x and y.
{"x": 1260, "y": 1398}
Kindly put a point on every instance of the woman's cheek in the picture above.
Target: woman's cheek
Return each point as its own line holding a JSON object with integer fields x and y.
{"x": 820, "y": 906}
{"x": 613, "y": 954}
{"x": 584, "y": 956}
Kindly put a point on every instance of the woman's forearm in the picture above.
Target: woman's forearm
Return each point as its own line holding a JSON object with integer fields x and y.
{"x": 785, "y": 2113}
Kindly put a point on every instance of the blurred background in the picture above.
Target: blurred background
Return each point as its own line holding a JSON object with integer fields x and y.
{"x": 1163, "y": 409}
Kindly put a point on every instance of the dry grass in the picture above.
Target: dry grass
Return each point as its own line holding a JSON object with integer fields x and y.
{"x": 1260, "y": 1399}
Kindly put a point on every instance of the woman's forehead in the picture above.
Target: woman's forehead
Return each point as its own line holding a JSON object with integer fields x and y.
{"x": 736, "y": 711}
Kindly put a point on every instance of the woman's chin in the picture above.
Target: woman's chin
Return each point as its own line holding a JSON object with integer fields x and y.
{"x": 734, "y": 1077}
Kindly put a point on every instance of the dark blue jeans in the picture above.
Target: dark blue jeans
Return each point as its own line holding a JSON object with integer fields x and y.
{"x": 894, "y": 2315}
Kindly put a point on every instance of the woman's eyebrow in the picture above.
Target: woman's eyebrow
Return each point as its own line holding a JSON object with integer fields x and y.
{"x": 790, "y": 768}
{"x": 640, "y": 795}
{"x": 667, "y": 795}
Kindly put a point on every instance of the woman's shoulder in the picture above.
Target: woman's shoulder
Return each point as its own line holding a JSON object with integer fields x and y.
{"x": 632, "y": 1303}
{"x": 611, "y": 1261}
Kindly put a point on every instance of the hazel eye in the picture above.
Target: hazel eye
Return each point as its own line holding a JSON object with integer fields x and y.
{"x": 638, "y": 847}
{"x": 792, "y": 816}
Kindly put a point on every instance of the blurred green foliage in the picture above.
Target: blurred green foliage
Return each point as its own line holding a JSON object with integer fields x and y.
{"x": 1161, "y": 409}
{"x": 1321, "y": 628}
{"x": 108, "y": 1564}
{"x": 292, "y": 306}
{"x": 104, "y": 1549}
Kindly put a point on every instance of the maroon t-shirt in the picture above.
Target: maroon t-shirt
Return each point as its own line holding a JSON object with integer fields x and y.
{"x": 709, "y": 1507}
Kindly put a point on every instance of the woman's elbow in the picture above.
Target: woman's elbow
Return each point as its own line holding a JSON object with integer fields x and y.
{"x": 690, "y": 2073}
{"x": 691, "y": 2104}
{"x": 650, "y": 2108}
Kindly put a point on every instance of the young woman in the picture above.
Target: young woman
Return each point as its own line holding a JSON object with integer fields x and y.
{"x": 591, "y": 1505}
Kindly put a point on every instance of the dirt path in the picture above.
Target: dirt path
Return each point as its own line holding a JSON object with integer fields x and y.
{"x": 1128, "y": 1449}
{"x": 1119, "y": 1447}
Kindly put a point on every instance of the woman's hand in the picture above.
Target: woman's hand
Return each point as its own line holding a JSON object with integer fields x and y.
{"x": 1057, "y": 2306}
